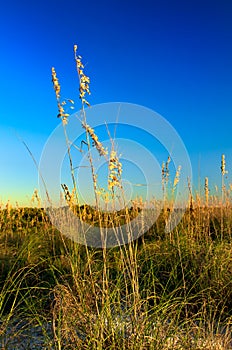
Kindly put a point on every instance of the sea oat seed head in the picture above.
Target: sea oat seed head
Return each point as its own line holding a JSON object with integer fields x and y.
{"x": 223, "y": 165}
{"x": 115, "y": 171}
{"x": 177, "y": 177}
{"x": 206, "y": 190}
{"x": 56, "y": 84}
{"x": 102, "y": 151}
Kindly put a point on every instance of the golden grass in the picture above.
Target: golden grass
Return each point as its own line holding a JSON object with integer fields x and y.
{"x": 160, "y": 291}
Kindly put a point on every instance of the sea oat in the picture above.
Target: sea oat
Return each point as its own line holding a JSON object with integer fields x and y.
{"x": 223, "y": 172}
{"x": 83, "y": 79}
{"x": 206, "y": 191}
{"x": 165, "y": 170}
{"x": 177, "y": 178}
{"x": 223, "y": 165}
{"x": 67, "y": 194}
{"x": 115, "y": 171}
{"x": 60, "y": 104}
{"x": 102, "y": 151}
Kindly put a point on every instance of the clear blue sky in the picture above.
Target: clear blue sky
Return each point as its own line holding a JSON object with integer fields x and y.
{"x": 171, "y": 56}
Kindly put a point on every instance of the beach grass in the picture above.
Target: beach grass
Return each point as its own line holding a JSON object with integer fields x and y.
{"x": 157, "y": 292}
{"x": 162, "y": 290}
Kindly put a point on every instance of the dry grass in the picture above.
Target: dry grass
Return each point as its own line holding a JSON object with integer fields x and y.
{"x": 161, "y": 291}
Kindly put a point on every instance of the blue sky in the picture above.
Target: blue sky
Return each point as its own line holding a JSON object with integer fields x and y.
{"x": 173, "y": 57}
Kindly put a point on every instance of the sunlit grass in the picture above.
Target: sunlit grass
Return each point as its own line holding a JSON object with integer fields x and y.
{"x": 164, "y": 290}
{"x": 161, "y": 291}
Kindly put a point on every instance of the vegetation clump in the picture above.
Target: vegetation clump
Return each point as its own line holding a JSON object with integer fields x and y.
{"x": 164, "y": 290}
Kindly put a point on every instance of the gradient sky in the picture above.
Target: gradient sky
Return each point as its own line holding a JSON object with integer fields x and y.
{"x": 173, "y": 57}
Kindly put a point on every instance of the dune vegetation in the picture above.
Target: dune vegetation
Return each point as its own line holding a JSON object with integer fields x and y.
{"x": 160, "y": 291}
